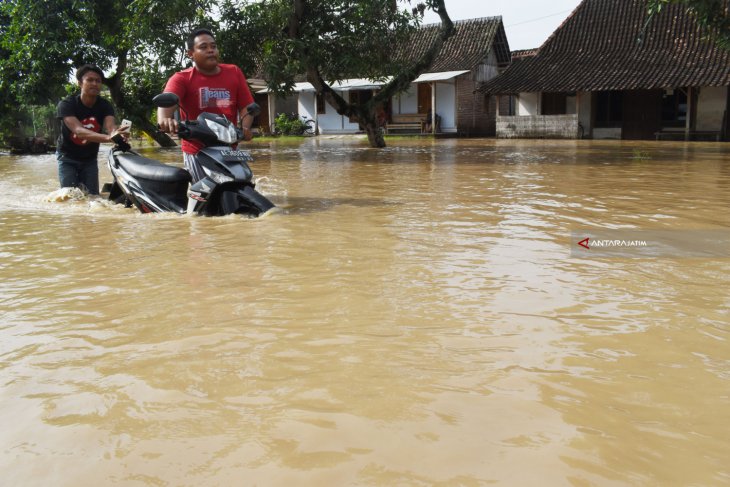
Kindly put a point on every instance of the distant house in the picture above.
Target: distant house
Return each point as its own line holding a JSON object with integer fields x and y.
{"x": 607, "y": 73}
{"x": 476, "y": 52}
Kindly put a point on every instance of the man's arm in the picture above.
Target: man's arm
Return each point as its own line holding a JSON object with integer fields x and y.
{"x": 110, "y": 124}
{"x": 74, "y": 125}
{"x": 244, "y": 98}
{"x": 246, "y": 123}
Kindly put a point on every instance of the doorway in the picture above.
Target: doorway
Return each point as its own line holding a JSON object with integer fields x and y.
{"x": 424, "y": 98}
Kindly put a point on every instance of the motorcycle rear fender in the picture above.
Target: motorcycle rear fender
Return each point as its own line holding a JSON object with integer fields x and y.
{"x": 149, "y": 201}
{"x": 116, "y": 195}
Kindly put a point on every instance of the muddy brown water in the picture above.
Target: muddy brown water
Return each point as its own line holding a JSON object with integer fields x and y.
{"x": 410, "y": 316}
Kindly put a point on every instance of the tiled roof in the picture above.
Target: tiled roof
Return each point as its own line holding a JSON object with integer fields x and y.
{"x": 523, "y": 53}
{"x": 598, "y": 48}
{"x": 465, "y": 49}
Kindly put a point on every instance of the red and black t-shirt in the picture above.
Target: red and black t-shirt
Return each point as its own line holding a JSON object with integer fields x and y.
{"x": 91, "y": 118}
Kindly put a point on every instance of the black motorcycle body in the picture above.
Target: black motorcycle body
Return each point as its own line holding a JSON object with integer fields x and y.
{"x": 152, "y": 186}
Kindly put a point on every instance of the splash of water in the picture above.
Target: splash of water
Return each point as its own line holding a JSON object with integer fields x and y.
{"x": 66, "y": 194}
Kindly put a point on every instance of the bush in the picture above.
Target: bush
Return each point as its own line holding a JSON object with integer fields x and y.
{"x": 288, "y": 124}
{"x": 20, "y": 123}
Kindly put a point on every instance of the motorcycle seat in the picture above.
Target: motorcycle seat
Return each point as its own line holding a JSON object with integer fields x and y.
{"x": 152, "y": 170}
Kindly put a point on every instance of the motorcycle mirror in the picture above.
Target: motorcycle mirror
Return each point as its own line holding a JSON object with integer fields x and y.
{"x": 166, "y": 100}
{"x": 253, "y": 109}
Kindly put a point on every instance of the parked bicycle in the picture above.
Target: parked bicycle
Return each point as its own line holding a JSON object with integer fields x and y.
{"x": 308, "y": 127}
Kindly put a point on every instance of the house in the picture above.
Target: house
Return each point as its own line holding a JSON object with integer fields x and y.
{"x": 475, "y": 53}
{"x": 611, "y": 72}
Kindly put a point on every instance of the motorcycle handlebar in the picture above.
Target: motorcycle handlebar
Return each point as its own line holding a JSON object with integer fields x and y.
{"x": 186, "y": 128}
{"x": 120, "y": 143}
{"x": 182, "y": 128}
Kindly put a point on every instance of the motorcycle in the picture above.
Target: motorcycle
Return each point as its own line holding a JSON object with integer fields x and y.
{"x": 152, "y": 186}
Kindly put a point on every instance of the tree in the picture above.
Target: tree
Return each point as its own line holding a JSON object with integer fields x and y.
{"x": 332, "y": 40}
{"x": 712, "y": 14}
{"x": 140, "y": 41}
{"x": 6, "y": 98}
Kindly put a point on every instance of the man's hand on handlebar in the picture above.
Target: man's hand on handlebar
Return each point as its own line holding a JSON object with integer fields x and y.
{"x": 247, "y": 134}
{"x": 168, "y": 125}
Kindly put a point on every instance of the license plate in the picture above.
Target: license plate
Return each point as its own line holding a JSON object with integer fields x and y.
{"x": 235, "y": 155}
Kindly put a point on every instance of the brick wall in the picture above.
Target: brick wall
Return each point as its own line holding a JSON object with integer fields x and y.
{"x": 538, "y": 127}
{"x": 475, "y": 113}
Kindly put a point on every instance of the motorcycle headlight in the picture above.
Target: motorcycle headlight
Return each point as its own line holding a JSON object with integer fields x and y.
{"x": 225, "y": 133}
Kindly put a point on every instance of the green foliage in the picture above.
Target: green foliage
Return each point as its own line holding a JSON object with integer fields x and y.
{"x": 712, "y": 14}
{"x": 288, "y": 124}
{"x": 140, "y": 42}
{"x": 341, "y": 38}
{"x": 325, "y": 41}
{"x": 640, "y": 155}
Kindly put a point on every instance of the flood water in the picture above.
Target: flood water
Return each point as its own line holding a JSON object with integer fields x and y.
{"x": 410, "y": 316}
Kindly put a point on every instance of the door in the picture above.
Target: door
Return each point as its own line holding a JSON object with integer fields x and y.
{"x": 262, "y": 119}
{"x": 424, "y": 97}
{"x": 642, "y": 114}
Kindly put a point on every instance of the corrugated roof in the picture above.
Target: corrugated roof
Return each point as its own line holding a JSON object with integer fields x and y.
{"x": 344, "y": 85}
{"x": 438, "y": 76}
{"x": 599, "y": 47}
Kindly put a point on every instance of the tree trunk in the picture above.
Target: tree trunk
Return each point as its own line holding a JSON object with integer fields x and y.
{"x": 368, "y": 121}
{"x": 140, "y": 119}
{"x": 142, "y": 122}
{"x": 375, "y": 136}
{"x": 156, "y": 134}
{"x": 365, "y": 114}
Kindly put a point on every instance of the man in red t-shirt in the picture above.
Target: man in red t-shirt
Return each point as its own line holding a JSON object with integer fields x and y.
{"x": 209, "y": 86}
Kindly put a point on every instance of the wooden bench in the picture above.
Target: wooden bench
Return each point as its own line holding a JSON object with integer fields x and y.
{"x": 711, "y": 135}
{"x": 406, "y": 121}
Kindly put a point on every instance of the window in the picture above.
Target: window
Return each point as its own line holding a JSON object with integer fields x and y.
{"x": 359, "y": 97}
{"x": 554, "y": 103}
{"x": 321, "y": 107}
{"x": 609, "y": 108}
{"x": 674, "y": 108}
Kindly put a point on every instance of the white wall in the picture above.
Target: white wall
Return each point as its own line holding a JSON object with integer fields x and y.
{"x": 711, "y": 104}
{"x": 306, "y": 104}
{"x": 528, "y": 103}
{"x": 584, "y": 101}
{"x": 329, "y": 122}
{"x": 607, "y": 133}
{"x": 538, "y": 126}
{"x": 446, "y": 105}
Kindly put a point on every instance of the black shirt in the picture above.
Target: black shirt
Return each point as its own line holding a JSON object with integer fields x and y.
{"x": 91, "y": 118}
